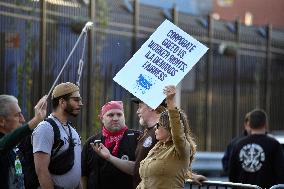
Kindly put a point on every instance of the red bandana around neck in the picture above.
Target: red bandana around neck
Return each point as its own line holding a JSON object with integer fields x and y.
{"x": 113, "y": 139}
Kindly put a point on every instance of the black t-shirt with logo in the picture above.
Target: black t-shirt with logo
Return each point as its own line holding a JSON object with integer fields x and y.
{"x": 257, "y": 159}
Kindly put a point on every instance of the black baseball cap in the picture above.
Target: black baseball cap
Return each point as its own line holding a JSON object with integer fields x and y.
{"x": 137, "y": 101}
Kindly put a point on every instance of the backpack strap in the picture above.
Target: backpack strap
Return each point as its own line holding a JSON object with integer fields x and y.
{"x": 58, "y": 143}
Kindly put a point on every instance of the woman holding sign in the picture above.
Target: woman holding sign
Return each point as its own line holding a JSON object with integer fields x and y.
{"x": 168, "y": 163}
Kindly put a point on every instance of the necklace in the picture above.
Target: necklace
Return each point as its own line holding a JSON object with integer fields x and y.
{"x": 65, "y": 127}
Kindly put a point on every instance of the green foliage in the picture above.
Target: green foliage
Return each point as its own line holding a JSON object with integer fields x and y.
{"x": 24, "y": 81}
{"x": 102, "y": 18}
{"x": 103, "y": 13}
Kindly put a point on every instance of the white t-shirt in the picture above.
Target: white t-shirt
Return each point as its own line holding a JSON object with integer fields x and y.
{"x": 43, "y": 139}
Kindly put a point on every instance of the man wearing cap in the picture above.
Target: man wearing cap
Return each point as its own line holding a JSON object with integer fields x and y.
{"x": 66, "y": 102}
{"x": 148, "y": 118}
{"x": 119, "y": 140}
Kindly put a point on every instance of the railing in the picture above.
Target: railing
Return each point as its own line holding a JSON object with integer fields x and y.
{"x": 219, "y": 184}
{"x": 278, "y": 186}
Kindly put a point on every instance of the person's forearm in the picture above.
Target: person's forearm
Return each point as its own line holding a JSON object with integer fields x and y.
{"x": 41, "y": 161}
{"x": 171, "y": 105}
{"x": 84, "y": 182}
{"x": 33, "y": 123}
{"x": 123, "y": 165}
{"x": 182, "y": 146}
{"x": 40, "y": 112}
{"x": 45, "y": 180}
{"x": 10, "y": 140}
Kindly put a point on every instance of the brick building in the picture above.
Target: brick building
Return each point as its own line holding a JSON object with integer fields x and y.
{"x": 251, "y": 12}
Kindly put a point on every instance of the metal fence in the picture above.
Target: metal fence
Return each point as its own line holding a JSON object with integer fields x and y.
{"x": 242, "y": 70}
{"x": 226, "y": 185}
{"x": 278, "y": 186}
{"x": 219, "y": 184}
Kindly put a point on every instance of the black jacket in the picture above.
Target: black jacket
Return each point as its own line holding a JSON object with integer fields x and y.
{"x": 7, "y": 155}
{"x": 100, "y": 173}
{"x": 257, "y": 159}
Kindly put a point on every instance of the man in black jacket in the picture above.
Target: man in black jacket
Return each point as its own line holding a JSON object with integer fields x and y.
{"x": 258, "y": 158}
{"x": 11, "y": 133}
{"x": 119, "y": 140}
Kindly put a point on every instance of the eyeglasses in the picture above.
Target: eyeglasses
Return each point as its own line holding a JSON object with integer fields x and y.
{"x": 158, "y": 125}
{"x": 77, "y": 99}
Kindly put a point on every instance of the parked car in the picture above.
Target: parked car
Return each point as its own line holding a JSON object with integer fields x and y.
{"x": 209, "y": 164}
{"x": 280, "y": 137}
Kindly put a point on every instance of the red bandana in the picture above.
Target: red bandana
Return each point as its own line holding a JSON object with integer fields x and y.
{"x": 113, "y": 139}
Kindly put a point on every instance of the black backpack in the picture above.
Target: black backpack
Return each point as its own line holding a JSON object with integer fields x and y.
{"x": 59, "y": 164}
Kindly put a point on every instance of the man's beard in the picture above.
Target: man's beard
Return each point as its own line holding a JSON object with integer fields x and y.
{"x": 142, "y": 122}
{"x": 69, "y": 110}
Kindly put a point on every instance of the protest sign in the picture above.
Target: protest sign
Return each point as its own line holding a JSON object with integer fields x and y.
{"x": 164, "y": 59}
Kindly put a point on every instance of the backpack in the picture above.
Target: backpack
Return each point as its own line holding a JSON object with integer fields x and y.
{"x": 59, "y": 164}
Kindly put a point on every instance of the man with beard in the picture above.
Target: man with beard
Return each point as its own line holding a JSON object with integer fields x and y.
{"x": 66, "y": 102}
{"x": 119, "y": 140}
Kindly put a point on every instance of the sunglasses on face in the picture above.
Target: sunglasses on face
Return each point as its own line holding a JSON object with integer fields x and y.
{"x": 77, "y": 99}
{"x": 159, "y": 125}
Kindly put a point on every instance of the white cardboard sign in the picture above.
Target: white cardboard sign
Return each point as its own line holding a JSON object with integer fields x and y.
{"x": 164, "y": 59}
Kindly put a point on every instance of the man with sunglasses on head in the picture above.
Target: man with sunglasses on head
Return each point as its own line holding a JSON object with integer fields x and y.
{"x": 66, "y": 102}
{"x": 121, "y": 143}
